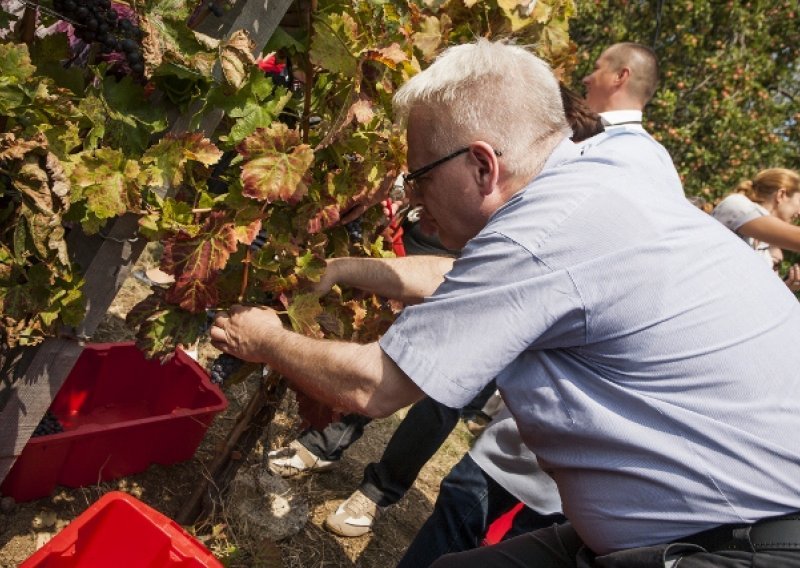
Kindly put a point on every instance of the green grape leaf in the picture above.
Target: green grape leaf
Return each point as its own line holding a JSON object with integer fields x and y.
{"x": 15, "y": 64}
{"x": 131, "y": 118}
{"x": 177, "y": 10}
{"x": 310, "y": 266}
{"x": 275, "y": 162}
{"x": 93, "y": 109}
{"x": 162, "y": 329}
{"x": 107, "y": 182}
{"x": 47, "y": 54}
{"x": 329, "y": 45}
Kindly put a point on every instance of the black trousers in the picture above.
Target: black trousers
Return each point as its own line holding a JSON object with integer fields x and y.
{"x": 560, "y": 547}
{"x": 424, "y": 429}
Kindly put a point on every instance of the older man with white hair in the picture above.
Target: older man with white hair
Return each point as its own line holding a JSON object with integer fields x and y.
{"x": 600, "y": 299}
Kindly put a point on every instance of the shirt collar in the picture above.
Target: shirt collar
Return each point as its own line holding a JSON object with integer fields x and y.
{"x": 613, "y": 117}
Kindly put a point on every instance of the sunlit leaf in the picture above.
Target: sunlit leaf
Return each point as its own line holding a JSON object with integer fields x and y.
{"x": 275, "y": 162}
{"x": 303, "y": 311}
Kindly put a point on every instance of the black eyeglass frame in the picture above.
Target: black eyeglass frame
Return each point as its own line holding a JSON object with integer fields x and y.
{"x": 411, "y": 176}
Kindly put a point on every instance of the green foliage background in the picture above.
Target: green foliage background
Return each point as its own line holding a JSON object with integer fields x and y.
{"x": 728, "y": 104}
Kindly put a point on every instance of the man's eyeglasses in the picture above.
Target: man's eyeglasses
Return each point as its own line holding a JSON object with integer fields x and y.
{"x": 408, "y": 179}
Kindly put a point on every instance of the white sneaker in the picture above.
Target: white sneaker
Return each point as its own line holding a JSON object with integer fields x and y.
{"x": 354, "y": 517}
{"x": 295, "y": 458}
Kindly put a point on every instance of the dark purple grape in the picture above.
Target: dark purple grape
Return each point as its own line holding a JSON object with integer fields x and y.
{"x": 129, "y": 45}
{"x": 223, "y": 367}
{"x": 354, "y": 230}
{"x": 48, "y": 425}
{"x": 137, "y": 68}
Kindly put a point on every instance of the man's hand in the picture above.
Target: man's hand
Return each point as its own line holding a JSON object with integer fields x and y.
{"x": 241, "y": 330}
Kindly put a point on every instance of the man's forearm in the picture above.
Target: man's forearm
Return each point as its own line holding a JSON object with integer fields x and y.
{"x": 408, "y": 279}
{"x": 354, "y": 377}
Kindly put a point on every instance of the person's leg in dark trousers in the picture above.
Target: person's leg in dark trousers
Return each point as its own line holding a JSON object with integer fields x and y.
{"x": 560, "y": 547}
{"x": 469, "y": 500}
{"x": 418, "y": 437}
{"x": 335, "y": 438}
{"x": 556, "y": 546}
{"x": 424, "y": 429}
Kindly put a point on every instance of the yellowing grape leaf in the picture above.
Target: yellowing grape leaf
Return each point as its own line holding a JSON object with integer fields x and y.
{"x": 430, "y": 35}
{"x": 194, "y": 296}
{"x": 13, "y": 148}
{"x": 275, "y": 162}
{"x": 15, "y": 63}
{"x": 362, "y": 111}
{"x": 327, "y": 217}
{"x": 200, "y": 257}
{"x": 236, "y": 58}
{"x": 172, "y": 153}
{"x": 390, "y": 56}
{"x": 303, "y": 310}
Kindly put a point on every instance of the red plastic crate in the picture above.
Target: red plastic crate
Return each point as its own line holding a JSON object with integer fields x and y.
{"x": 120, "y": 414}
{"x": 120, "y": 531}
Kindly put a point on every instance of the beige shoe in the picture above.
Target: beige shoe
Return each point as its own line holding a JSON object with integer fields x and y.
{"x": 354, "y": 517}
{"x": 294, "y": 459}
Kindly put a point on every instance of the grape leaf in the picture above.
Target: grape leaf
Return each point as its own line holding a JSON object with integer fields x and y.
{"x": 14, "y": 148}
{"x": 275, "y": 162}
{"x": 108, "y": 184}
{"x": 194, "y": 296}
{"x": 390, "y": 56}
{"x": 429, "y": 36}
{"x": 236, "y": 58}
{"x": 329, "y": 44}
{"x": 196, "y": 262}
{"x": 165, "y": 328}
{"x": 303, "y": 310}
{"x": 173, "y": 152}
{"x": 15, "y": 64}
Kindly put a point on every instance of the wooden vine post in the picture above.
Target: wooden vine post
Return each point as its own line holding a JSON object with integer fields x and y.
{"x": 31, "y": 378}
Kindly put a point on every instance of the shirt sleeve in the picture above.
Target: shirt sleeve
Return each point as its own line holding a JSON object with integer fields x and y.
{"x": 498, "y": 301}
{"x": 736, "y": 210}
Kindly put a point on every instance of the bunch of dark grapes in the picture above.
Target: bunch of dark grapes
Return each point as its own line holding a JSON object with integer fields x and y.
{"x": 223, "y": 367}
{"x": 49, "y": 424}
{"x": 260, "y": 240}
{"x": 96, "y": 21}
{"x": 354, "y": 230}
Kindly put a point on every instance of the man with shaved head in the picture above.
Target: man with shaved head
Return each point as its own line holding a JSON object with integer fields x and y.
{"x": 623, "y": 81}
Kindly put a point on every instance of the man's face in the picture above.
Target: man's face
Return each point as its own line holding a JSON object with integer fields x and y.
{"x": 443, "y": 192}
{"x": 600, "y": 84}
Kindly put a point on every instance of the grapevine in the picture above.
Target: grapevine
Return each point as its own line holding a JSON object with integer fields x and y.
{"x": 293, "y": 175}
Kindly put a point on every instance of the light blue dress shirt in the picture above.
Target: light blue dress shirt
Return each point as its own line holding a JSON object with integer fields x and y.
{"x": 649, "y": 358}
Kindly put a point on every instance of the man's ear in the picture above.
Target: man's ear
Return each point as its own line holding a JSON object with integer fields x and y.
{"x": 780, "y": 195}
{"x": 623, "y": 75}
{"x": 486, "y": 166}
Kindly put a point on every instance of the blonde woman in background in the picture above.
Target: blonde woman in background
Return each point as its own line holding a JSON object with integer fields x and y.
{"x": 762, "y": 211}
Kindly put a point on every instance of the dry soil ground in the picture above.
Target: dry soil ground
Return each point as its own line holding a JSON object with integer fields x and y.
{"x": 166, "y": 488}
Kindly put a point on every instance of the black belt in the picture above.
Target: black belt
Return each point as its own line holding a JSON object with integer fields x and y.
{"x": 778, "y": 533}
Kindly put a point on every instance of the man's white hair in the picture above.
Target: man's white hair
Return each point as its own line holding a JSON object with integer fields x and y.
{"x": 491, "y": 91}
